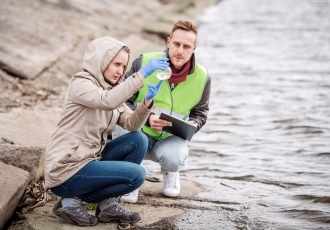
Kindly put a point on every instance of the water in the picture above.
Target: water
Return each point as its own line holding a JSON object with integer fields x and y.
{"x": 264, "y": 154}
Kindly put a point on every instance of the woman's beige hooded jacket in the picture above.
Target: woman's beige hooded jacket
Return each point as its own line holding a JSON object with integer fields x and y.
{"x": 91, "y": 109}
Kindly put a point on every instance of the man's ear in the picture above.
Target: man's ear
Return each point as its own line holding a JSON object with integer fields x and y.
{"x": 168, "y": 39}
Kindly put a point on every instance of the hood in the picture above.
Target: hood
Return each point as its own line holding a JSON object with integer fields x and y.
{"x": 98, "y": 55}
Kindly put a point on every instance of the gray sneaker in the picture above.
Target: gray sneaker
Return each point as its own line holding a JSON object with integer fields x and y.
{"x": 116, "y": 212}
{"x": 78, "y": 214}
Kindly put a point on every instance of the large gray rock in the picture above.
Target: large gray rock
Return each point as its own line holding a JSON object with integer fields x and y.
{"x": 36, "y": 34}
{"x": 22, "y": 157}
{"x": 13, "y": 182}
{"x": 24, "y": 135}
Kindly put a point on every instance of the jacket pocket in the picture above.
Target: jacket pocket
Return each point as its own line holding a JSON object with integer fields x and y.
{"x": 80, "y": 152}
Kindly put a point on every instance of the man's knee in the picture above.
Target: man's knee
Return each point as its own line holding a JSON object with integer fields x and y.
{"x": 174, "y": 161}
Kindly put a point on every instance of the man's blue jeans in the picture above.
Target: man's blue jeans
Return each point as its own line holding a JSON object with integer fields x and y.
{"x": 117, "y": 173}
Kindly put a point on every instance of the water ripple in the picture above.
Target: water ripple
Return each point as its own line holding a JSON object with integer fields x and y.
{"x": 268, "y": 129}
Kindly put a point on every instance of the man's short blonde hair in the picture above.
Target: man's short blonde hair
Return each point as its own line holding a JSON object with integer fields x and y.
{"x": 184, "y": 25}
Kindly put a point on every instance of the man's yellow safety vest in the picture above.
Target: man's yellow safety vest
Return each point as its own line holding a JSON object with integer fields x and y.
{"x": 178, "y": 102}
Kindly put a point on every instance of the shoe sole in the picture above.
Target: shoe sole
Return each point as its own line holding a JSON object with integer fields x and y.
{"x": 117, "y": 219}
{"x": 129, "y": 201}
{"x": 60, "y": 215}
{"x": 170, "y": 195}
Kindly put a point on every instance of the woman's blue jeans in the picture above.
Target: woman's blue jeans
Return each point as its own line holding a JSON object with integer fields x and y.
{"x": 117, "y": 173}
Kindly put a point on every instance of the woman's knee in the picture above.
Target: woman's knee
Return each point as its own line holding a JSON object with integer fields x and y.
{"x": 139, "y": 175}
{"x": 141, "y": 139}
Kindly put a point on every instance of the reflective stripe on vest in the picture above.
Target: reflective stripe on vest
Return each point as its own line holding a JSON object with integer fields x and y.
{"x": 180, "y": 101}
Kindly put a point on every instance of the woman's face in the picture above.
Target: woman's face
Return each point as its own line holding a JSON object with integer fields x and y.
{"x": 116, "y": 67}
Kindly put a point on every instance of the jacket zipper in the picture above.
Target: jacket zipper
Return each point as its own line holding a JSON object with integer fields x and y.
{"x": 171, "y": 85}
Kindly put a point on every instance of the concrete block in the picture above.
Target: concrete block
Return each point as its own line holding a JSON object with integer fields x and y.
{"x": 13, "y": 182}
{"x": 26, "y": 158}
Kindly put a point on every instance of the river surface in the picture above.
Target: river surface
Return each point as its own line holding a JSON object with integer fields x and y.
{"x": 264, "y": 154}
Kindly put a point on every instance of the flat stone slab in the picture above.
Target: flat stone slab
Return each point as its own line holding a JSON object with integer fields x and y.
{"x": 13, "y": 182}
{"x": 29, "y": 127}
{"x": 24, "y": 135}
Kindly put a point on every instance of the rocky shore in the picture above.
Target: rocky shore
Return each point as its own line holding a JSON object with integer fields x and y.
{"x": 42, "y": 43}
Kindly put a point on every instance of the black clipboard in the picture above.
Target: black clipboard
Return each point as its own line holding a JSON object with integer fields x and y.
{"x": 179, "y": 127}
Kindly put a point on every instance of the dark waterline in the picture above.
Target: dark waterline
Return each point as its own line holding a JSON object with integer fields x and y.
{"x": 265, "y": 150}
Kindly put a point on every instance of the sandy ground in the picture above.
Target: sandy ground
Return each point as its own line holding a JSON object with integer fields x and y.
{"x": 155, "y": 209}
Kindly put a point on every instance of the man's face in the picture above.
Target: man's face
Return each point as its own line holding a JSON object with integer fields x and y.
{"x": 116, "y": 67}
{"x": 180, "y": 47}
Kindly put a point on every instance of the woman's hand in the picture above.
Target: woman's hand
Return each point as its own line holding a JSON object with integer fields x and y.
{"x": 154, "y": 64}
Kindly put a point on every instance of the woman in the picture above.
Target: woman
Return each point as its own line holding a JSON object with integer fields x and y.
{"x": 80, "y": 165}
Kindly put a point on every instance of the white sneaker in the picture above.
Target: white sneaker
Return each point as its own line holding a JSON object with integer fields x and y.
{"x": 131, "y": 197}
{"x": 171, "y": 184}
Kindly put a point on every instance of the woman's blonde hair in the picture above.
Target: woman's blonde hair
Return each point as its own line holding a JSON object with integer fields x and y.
{"x": 128, "y": 51}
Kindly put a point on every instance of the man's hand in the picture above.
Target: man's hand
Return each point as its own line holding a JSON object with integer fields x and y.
{"x": 158, "y": 124}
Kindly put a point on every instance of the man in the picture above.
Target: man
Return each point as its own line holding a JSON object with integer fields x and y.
{"x": 186, "y": 95}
